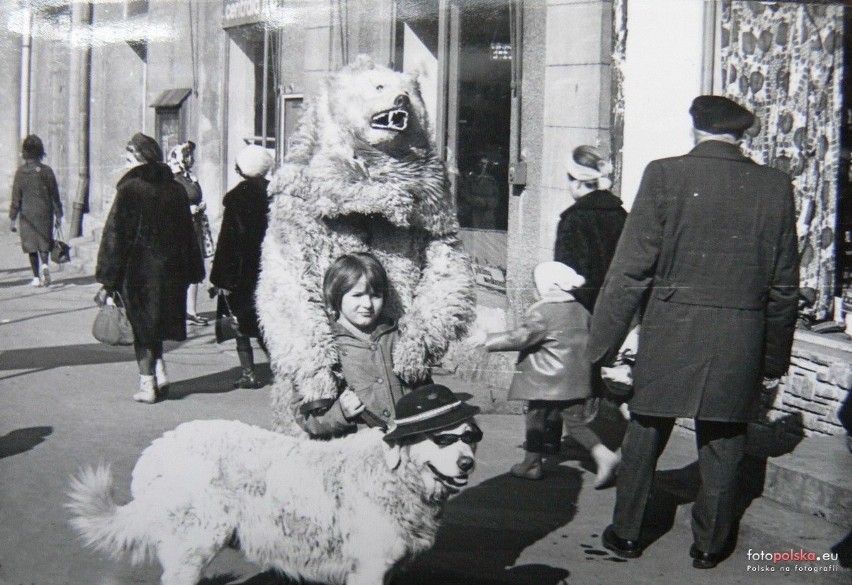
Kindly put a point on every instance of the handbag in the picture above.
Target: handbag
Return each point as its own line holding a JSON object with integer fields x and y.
{"x": 60, "y": 252}
{"x": 111, "y": 326}
{"x": 227, "y": 326}
{"x": 208, "y": 246}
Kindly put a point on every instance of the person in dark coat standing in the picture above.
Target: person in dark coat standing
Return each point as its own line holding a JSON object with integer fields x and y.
{"x": 711, "y": 239}
{"x": 236, "y": 264}
{"x": 149, "y": 255}
{"x": 588, "y": 231}
{"x": 35, "y": 201}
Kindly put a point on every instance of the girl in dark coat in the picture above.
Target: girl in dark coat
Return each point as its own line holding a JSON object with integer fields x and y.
{"x": 35, "y": 199}
{"x": 149, "y": 255}
{"x": 236, "y": 265}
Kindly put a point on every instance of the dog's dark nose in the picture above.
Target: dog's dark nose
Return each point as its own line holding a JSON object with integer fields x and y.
{"x": 465, "y": 463}
{"x": 402, "y": 101}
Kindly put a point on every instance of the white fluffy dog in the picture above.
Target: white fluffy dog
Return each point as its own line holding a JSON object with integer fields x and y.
{"x": 345, "y": 511}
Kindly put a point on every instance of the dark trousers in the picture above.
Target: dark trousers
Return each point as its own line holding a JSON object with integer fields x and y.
{"x": 720, "y": 450}
{"x": 545, "y": 420}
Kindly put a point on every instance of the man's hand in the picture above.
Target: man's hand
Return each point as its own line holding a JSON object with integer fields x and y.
{"x": 771, "y": 383}
{"x": 13, "y": 225}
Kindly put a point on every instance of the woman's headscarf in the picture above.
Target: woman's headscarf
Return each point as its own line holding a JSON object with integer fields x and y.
{"x": 586, "y": 174}
{"x": 178, "y": 159}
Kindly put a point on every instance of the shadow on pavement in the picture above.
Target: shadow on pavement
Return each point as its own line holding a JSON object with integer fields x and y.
{"x": 22, "y": 440}
{"x": 474, "y": 545}
{"x": 58, "y": 281}
{"x": 57, "y": 356}
{"x": 45, "y": 315}
{"x": 216, "y": 383}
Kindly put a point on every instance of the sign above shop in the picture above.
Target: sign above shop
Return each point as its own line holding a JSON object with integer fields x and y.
{"x": 240, "y": 12}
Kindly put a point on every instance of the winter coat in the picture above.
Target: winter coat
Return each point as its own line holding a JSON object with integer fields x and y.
{"x": 149, "y": 254}
{"x": 712, "y": 239}
{"x": 35, "y": 198}
{"x": 586, "y": 238}
{"x": 236, "y": 265}
{"x": 194, "y": 196}
{"x": 553, "y": 363}
{"x": 367, "y": 369}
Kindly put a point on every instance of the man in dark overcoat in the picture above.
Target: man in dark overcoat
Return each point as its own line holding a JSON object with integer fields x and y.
{"x": 710, "y": 247}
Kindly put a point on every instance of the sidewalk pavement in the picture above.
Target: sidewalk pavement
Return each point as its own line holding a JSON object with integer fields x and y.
{"x": 65, "y": 403}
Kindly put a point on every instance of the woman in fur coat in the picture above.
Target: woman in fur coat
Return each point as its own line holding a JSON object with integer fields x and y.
{"x": 149, "y": 255}
{"x": 236, "y": 265}
{"x": 35, "y": 201}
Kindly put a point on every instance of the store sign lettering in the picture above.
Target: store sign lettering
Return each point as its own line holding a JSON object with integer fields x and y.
{"x": 239, "y": 12}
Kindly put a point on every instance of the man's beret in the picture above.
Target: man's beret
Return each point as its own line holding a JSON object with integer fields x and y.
{"x": 719, "y": 115}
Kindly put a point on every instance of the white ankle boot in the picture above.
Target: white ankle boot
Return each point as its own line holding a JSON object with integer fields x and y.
{"x": 147, "y": 390}
{"x": 162, "y": 378}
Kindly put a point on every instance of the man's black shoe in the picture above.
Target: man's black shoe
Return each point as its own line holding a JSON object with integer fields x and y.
{"x": 629, "y": 549}
{"x": 703, "y": 560}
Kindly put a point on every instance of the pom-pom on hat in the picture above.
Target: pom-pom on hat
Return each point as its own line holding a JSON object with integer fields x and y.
{"x": 427, "y": 409}
{"x": 254, "y": 161}
{"x": 719, "y": 115}
{"x": 145, "y": 148}
{"x": 553, "y": 280}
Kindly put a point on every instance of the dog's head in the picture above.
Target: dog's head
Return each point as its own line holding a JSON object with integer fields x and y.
{"x": 443, "y": 459}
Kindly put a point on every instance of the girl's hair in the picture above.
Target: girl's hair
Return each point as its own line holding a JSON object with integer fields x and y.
{"x": 589, "y": 156}
{"x": 32, "y": 148}
{"x": 344, "y": 274}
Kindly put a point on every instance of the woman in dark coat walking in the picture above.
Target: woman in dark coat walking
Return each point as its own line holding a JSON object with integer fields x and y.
{"x": 149, "y": 255}
{"x": 586, "y": 238}
{"x": 236, "y": 265}
{"x": 588, "y": 231}
{"x": 35, "y": 200}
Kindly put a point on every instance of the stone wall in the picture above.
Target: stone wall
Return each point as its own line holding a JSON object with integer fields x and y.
{"x": 816, "y": 387}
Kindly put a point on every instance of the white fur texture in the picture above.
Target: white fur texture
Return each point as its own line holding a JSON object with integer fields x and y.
{"x": 346, "y": 187}
{"x": 345, "y": 511}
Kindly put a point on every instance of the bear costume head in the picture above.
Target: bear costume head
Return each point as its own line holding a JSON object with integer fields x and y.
{"x": 368, "y": 125}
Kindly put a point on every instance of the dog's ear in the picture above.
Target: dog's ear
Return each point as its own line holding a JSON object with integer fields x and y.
{"x": 393, "y": 454}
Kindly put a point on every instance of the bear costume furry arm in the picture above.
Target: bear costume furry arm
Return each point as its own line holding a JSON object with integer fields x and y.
{"x": 440, "y": 312}
{"x": 290, "y": 306}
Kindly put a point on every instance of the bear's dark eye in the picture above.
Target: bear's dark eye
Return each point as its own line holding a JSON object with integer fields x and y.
{"x": 380, "y": 87}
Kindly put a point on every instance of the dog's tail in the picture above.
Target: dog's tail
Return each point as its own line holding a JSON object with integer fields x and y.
{"x": 100, "y": 523}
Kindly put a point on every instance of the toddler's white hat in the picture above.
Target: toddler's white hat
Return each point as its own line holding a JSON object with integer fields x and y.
{"x": 555, "y": 279}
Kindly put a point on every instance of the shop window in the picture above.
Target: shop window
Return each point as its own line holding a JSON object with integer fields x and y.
{"x": 472, "y": 112}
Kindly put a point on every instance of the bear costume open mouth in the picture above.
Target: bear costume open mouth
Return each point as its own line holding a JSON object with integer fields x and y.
{"x": 395, "y": 119}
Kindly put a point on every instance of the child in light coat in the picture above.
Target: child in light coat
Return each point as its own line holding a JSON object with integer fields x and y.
{"x": 554, "y": 373}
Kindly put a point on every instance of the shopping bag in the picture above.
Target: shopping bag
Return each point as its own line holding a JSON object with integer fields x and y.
{"x": 60, "y": 252}
{"x": 227, "y": 325}
{"x": 111, "y": 325}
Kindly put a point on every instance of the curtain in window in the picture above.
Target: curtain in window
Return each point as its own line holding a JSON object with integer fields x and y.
{"x": 784, "y": 62}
